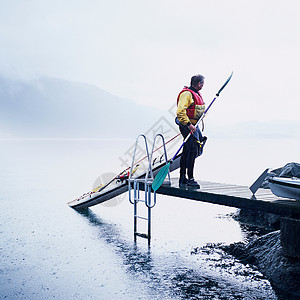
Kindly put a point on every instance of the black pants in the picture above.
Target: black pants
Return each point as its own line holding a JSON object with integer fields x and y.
{"x": 189, "y": 153}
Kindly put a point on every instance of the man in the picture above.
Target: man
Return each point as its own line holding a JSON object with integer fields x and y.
{"x": 190, "y": 108}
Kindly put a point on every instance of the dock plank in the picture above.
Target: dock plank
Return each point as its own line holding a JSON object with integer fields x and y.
{"x": 235, "y": 196}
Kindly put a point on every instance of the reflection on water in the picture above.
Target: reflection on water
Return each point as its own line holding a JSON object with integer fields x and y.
{"x": 50, "y": 251}
{"x": 210, "y": 273}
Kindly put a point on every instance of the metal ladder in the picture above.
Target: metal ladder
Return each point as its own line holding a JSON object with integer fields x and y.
{"x": 145, "y": 183}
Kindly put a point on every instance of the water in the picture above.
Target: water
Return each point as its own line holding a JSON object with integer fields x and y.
{"x": 51, "y": 251}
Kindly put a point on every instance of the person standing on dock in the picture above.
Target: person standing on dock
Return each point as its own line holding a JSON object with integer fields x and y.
{"x": 190, "y": 108}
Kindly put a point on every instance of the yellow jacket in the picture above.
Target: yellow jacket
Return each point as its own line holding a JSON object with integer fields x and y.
{"x": 187, "y": 111}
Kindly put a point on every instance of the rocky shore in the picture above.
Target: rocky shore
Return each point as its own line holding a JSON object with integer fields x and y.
{"x": 266, "y": 252}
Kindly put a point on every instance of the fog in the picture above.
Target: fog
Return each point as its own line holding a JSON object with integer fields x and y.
{"x": 147, "y": 51}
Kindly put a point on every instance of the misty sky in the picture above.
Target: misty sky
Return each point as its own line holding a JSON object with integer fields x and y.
{"x": 147, "y": 50}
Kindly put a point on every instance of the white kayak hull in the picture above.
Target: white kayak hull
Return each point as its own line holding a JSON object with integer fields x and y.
{"x": 116, "y": 188}
{"x": 285, "y": 187}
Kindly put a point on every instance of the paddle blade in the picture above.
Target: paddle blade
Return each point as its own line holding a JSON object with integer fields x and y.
{"x": 221, "y": 89}
{"x": 160, "y": 177}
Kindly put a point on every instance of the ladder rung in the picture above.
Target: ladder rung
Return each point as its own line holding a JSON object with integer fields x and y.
{"x": 139, "y": 200}
{"x": 143, "y": 235}
{"x": 141, "y": 217}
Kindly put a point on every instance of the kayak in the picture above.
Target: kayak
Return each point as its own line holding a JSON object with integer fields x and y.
{"x": 119, "y": 184}
{"x": 285, "y": 187}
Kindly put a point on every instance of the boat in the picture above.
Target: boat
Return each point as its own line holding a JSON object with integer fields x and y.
{"x": 285, "y": 187}
{"x": 119, "y": 184}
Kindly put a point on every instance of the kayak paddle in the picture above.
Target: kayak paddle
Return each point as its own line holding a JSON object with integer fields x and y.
{"x": 161, "y": 175}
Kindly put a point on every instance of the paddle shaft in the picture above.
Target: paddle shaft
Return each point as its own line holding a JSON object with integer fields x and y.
{"x": 203, "y": 116}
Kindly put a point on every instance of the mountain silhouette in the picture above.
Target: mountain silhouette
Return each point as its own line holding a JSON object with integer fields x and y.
{"x": 52, "y": 107}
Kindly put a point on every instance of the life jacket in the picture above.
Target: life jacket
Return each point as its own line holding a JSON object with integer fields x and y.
{"x": 195, "y": 110}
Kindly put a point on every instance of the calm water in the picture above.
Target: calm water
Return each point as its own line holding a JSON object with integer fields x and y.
{"x": 51, "y": 251}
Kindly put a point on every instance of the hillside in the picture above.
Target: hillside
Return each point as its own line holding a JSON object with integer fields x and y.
{"x": 51, "y": 107}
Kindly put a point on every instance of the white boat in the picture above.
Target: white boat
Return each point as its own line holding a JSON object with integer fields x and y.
{"x": 117, "y": 186}
{"x": 285, "y": 187}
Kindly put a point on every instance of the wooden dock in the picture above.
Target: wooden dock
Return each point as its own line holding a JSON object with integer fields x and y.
{"x": 235, "y": 196}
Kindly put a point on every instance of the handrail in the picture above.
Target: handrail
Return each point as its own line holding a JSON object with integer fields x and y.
{"x": 132, "y": 163}
{"x": 165, "y": 151}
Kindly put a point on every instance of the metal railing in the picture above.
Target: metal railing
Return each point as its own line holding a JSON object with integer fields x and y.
{"x": 144, "y": 182}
